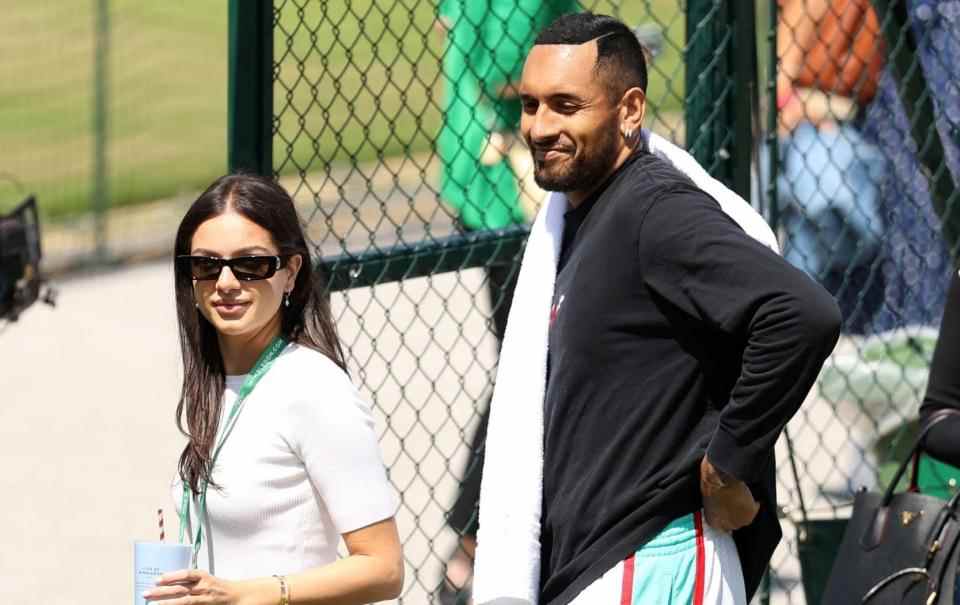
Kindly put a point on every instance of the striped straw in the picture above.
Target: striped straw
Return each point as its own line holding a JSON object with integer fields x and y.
{"x": 160, "y": 517}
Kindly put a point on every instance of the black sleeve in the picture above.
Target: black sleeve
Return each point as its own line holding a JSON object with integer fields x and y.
{"x": 943, "y": 388}
{"x": 702, "y": 262}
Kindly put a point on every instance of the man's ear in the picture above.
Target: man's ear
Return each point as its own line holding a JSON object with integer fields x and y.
{"x": 633, "y": 105}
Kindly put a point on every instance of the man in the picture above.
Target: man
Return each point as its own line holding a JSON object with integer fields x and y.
{"x": 678, "y": 348}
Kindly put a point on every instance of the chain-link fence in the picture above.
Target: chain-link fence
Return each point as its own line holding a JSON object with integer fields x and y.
{"x": 394, "y": 126}
{"x": 869, "y": 105}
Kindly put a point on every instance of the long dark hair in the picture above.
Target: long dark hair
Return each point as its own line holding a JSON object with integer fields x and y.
{"x": 307, "y": 320}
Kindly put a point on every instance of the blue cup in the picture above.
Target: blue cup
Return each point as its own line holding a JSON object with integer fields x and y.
{"x": 153, "y": 559}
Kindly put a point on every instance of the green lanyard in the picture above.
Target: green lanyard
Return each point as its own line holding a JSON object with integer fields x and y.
{"x": 260, "y": 368}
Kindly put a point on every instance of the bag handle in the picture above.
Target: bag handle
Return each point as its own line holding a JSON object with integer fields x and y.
{"x": 914, "y": 456}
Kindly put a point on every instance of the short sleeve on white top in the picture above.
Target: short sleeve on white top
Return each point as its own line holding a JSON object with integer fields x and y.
{"x": 332, "y": 431}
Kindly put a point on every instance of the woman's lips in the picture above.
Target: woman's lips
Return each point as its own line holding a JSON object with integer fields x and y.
{"x": 228, "y": 310}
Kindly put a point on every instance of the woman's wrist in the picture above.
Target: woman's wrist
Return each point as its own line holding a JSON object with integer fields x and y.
{"x": 261, "y": 591}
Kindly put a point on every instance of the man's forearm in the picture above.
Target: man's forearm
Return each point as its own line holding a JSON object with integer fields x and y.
{"x": 788, "y": 342}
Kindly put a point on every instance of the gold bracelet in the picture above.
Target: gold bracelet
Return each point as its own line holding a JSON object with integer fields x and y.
{"x": 284, "y": 592}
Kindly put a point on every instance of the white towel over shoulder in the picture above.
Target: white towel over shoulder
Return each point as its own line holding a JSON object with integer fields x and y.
{"x": 508, "y": 553}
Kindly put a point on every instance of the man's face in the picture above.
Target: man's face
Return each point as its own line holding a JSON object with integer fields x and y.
{"x": 569, "y": 120}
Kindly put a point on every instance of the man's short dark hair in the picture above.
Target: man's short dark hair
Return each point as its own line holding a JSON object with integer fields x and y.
{"x": 620, "y": 58}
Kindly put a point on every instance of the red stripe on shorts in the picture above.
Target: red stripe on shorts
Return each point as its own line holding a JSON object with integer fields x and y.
{"x": 701, "y": 557}
{"x": 626, "y": 594}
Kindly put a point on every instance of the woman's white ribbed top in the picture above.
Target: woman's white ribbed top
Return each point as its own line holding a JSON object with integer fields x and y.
{"x": 301, "y": 467}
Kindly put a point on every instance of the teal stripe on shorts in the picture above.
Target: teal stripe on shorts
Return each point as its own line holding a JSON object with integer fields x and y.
{"x": 665, "y": 569}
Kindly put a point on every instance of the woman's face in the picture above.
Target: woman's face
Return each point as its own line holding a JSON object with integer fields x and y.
{"x": 239, "y": 308}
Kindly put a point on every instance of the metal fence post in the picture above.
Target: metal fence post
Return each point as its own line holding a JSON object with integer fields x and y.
{"x": 100, "y": 108}
{"x": 742, "y": 19}
{"x": 701, "y": 46}
{"x": 250, "y": 92}
{"x": 773, "y": 119}
{"x": 721, "y": 68}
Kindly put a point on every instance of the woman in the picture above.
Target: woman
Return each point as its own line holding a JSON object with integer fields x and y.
{"x": 943, "y": 388}
{"x": 282, "y": 459}
{"x": 940, "y": 476}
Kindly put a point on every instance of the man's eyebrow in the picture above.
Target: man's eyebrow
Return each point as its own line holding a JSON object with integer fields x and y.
{"x": 566, "y": 96}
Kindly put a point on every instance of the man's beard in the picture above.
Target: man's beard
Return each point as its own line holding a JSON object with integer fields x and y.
{"x": 580, "y": 173}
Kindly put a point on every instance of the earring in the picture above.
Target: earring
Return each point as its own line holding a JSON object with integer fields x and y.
{"x": 286, "y": 299}
{"x": 628, "y": 135}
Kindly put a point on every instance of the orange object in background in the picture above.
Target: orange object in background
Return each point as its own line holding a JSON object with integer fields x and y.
{"x": 846, "y": 54}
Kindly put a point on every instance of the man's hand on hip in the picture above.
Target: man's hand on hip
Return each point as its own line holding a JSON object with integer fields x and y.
{"x": 727, "y": 502}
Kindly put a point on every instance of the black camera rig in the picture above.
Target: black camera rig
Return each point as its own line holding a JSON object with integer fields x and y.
{"x": 21, "y": 283}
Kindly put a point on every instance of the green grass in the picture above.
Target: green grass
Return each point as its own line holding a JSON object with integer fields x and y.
{"x": 167, "y": 100}
{"x": 367, "y": 85}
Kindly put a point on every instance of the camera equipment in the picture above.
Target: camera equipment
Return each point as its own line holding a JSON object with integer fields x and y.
{"x": 21, "y": 283}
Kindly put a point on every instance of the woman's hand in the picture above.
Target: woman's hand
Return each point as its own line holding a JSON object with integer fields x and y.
{"x": 372, "y": 573}
{"x": 193, "y": 587}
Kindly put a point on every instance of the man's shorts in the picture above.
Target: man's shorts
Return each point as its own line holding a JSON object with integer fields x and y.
{"x": 688, "y": 563}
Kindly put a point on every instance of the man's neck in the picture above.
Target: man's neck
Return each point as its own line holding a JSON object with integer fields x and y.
{"x": 575, "y": 198}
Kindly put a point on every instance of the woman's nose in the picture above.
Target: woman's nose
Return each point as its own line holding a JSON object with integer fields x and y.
{"x": 227, "y": 281}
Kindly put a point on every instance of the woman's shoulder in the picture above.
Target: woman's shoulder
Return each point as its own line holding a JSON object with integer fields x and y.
{"x": 300, "y": 361}
{"x": 309, "y": 376}
{"x": 310, "y": 391}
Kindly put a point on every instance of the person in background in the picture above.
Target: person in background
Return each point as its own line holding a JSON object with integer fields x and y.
{"x": 941, "y": 476}
{"x": 483, "y": 55}
{"x": 830, "y": 181}
{"x": 486, "y": 177}
{"x": 282, "y": 459}
{"x": 858, "y": 214}
{"x": 916, "y": 260}
{"x": 919, "y": 258}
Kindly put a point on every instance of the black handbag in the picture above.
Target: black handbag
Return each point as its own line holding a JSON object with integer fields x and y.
{"x": 898, "y": 548}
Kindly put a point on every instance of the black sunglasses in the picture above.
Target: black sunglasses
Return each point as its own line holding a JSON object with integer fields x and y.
{"x": 246, "y": 268}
